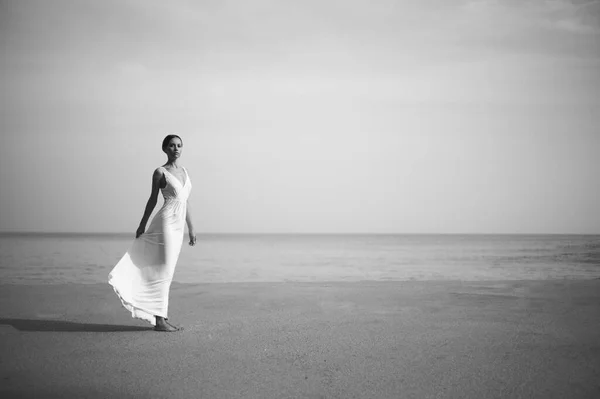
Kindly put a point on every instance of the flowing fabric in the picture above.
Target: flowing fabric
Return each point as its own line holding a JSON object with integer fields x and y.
{"x": 142, "y": 278}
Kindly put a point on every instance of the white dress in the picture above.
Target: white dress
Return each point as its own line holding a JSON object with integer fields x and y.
{"x": 143, "y": 276}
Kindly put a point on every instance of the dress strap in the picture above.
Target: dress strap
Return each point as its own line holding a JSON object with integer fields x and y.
{"x": 165, "y": 174}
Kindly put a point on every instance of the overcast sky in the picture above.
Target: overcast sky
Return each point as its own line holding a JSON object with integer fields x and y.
{"x": 424, "y": 116}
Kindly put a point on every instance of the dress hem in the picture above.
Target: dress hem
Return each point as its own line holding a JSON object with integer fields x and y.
{"x": 150, "y": 318}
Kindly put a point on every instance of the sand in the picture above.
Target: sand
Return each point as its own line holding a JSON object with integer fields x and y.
{"x": 516, "y": 339}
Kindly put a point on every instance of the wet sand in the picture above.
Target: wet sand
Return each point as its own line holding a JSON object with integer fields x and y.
{"x": 515, "y": 339}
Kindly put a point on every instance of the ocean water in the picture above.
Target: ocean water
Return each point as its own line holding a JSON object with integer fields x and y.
{"x": 88, "y": 258}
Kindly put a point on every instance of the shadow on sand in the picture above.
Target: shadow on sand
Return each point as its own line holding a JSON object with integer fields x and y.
{"x": 67, "y": 326}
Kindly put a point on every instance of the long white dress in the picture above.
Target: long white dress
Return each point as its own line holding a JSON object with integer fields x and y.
{"x": 143, "y": 276}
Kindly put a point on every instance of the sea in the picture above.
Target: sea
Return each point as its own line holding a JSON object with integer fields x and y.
{"x": 61, "y": 258}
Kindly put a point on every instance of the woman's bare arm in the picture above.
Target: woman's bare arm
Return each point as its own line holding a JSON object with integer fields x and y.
{"x": 156, "y": 178}
{"x": 190, "y": 224}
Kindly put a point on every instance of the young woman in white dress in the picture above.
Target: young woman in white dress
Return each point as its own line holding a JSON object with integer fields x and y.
{"x": 143, "y": 276}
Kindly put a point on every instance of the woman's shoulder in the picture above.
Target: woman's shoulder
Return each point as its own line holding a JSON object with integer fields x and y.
{"x": 159, "y": 172}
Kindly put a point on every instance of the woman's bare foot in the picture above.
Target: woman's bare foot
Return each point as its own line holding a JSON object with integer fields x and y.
{"x": 164, "y": 326}
{"x": 179, "y": 328}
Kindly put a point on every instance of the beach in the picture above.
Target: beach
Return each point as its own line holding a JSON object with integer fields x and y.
{"x": 363, "y": 339}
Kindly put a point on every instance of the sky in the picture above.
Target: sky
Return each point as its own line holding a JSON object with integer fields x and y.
{"x": 329, "y": 116}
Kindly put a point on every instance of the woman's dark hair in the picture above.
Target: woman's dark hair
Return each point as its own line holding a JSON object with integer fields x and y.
{"x": 167, "y": 140}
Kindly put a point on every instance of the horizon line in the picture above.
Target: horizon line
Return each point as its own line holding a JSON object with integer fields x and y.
{"x": 107, "y": 233}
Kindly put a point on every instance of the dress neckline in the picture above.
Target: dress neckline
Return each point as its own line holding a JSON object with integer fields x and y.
{"x": 175, "y": 177}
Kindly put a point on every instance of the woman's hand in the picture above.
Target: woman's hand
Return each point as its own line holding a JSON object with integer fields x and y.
{"x": 192, "y": 238}
{"x": 139, "y": 231}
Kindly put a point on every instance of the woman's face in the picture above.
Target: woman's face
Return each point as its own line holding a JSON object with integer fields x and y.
{"x": 174, "y": 148}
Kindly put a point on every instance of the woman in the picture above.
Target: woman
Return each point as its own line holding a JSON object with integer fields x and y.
{"x": 143, "y": 276}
